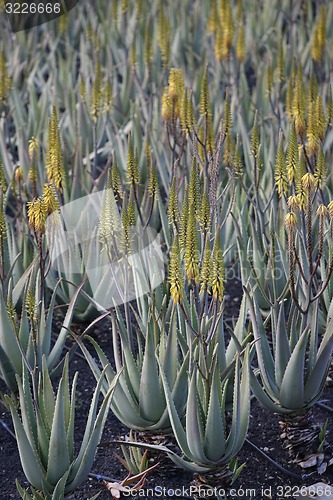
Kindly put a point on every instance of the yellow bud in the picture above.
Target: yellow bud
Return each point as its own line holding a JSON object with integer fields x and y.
{"x": 33, "y": 148}
{"x": 330, "y": 208}
{"x": 166, "y": 107}
{"x": 19, "y": 174}
{"x": 37, "y": 214}
{"x": 322, "y": 211}
{"x": 308, "y": 181}
{"x": 290, "y": 220}
{"x": 293, "y": 203}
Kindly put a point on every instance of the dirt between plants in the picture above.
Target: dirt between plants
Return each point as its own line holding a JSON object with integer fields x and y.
{"x": 260, "y": 479}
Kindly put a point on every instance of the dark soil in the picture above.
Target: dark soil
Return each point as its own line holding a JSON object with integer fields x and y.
{"x": 260, "y": 479}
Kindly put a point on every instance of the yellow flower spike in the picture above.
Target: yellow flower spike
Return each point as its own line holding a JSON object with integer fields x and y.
{"x": 163, "y": 34}
{"x": 166, "y": 106}
{"x": 289, "y": 99}
{"x": 322, "y": 211}
{"x": 173, "y": 210}
{"x": 205, "y": 106}
{"x": 238, "y": 164}
{"x": 329, "y": 106}
{"x": 330, "y": 208}
{"x": 37, "y": 214}
{"x": 19, "y": 174}
{"x": 298, "y": 104}
{"x": 124, "y": 6}
{"x": 205, "y": 213}
{"x": 183, "y": 222}
{"x": 290, "y": 221}
{"x": 228, "y": 28}
{"x": 50, "y": 199}
{"x": 54, "y": 162}
{"x": 313, "y": 88}
{"x": 176, "y": 83}
{"x": 312, "y": 134}
{"x": 292, "y": 155}
{"x": 217, "y": 271}
{"x": 212, "y": 18}
{"x": 320, "y": 171}
{"x": 219, "y": 41}
{"x": 3, "y": 228}
{"x": 205, "y": 268}
{"x": 116, "y": 180}
{"x": 191, "y": 254}
{"x": 97, "y": 93}
{"x": 255, "y": 140}
{"x": 107, "y": 97}
{"x": 240, "y": 44}
{"x": 33, "y": 149}
{"x": 175, "y": 272}
{"x": 308, "y": 181}
{"x": 133, "y": 175}
{"x": 293, "y": 203}
{"x": 281, "y": 178}
{"x": 5, "y": 80}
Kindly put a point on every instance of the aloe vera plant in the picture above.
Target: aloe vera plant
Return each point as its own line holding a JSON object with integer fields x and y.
{"x": 139, "y": 400}
{"x": 45, "y": 431}
{"x": 29, "y": 338}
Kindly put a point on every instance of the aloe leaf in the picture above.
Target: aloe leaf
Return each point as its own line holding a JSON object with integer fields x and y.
{"x": 171, "y": 353}
{"x": 265, "y": 359}
{"x": 70, "y": 428}
{"x": 32, "y": 468}
{"x": 282, "y": 349}
{"x": 214, "y": 448}
{"x": 177, "y": 426}
{"x": 58, "y": 460}
{"x": 244, "y": 404}
{"x": 151, "y": 398}
{"x": 91, "y": 424}
{"x": 47, "y": 402}
{"x": 317, "y": 378}
{"x": 46, "y": 332}
{"x": 8, "y": 339}
{"x": 8, "y": 372}
{"x": 193, "y": 432}
{"x": 57, "y": 349}
{"x": 292, "y": 386}
{"x": 27, "y": 407}
{"x": 59, "y": 490}
{"x": 83, "y": 463}
{"x": 263, "y": 397}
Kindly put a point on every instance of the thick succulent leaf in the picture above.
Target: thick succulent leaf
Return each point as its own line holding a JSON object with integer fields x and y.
{"x": 27, "y": 407}
{"x": 265, "y": 359}
{"x": 170, "y": 361}
{"x": 177, "y": 426}
{"x": 7, "y": 371}
{"x": 292, "y": 386}
{"x": 43, "y": 439}
{"x": 58, "y": 460}
{"x": 70, "y": 428}
{"x": 214, "y": 447}
{"x": 239, "y": 332}
{"x": 54, "y": 356}
{"x": 46, "y": 332}
{"x": 244, "y": 405}
{"x": 47, "y": 402}
{"x": 8, "y": 338}
{"x": 83, "y": 463}
{"x": 317, "y": 378}
{"x": 264, "y": 399}
{"x": 193, "y": 431}
{"x": 24, "y": 331}
{"x": 282, "y": 348}
{"x": 231, "y": 439}
{"x": 91, "y": 430}
{"x": 31, "y": 465}
{"x": 59, "y": 490}
{"x": 313, "y": 342}
{"x": 151, "y": 399}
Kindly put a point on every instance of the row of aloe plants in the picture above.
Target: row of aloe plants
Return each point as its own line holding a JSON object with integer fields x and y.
{"x": 215, "y": 191}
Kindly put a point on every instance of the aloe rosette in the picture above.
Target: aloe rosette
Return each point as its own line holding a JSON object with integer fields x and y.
{"x": 45, "y": 432}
